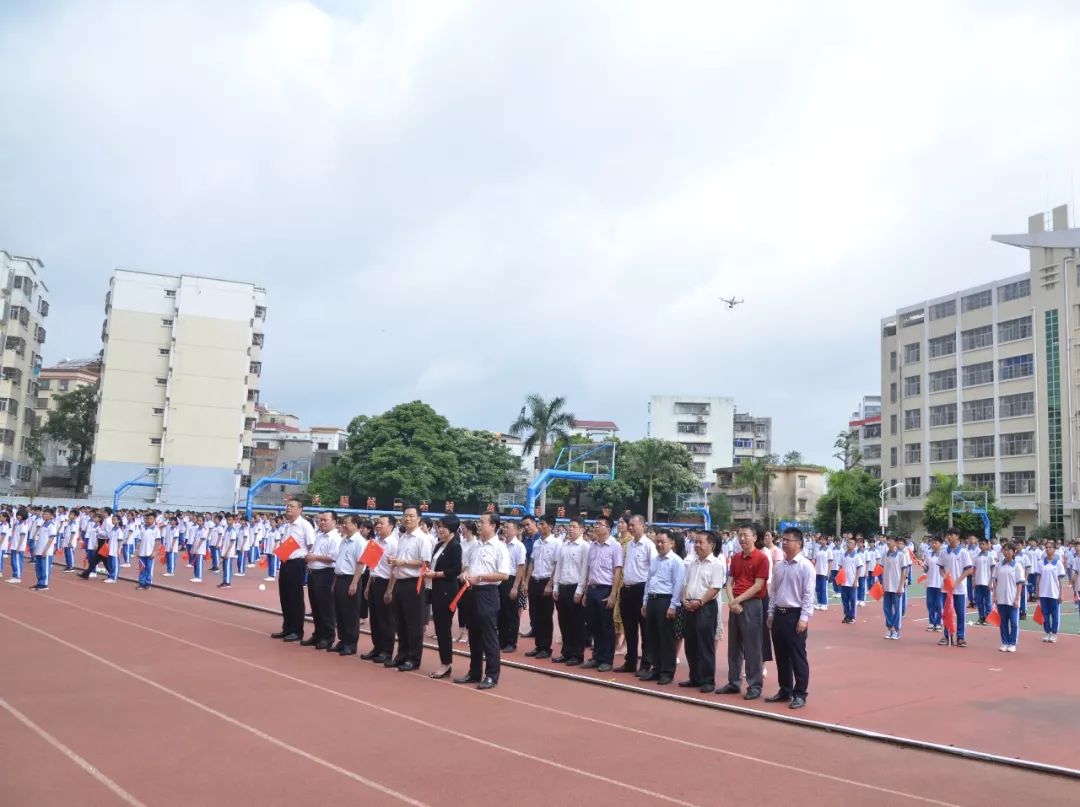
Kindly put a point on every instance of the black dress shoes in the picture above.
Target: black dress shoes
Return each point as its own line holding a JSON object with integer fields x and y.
{"x": 487, "y": 683}
{"x": 466, "y": 679}
{"x": 779, "y": 697}
{"x": 688, "y": 684}
{"x": 544, "y": 654}
{"x": 626, "y": 668}
{"x": 707, "y": 688}
{"x": 322, "y": 645}
{"x": 532, "y": 653}
{"x": 664, "y": 679}
{"x": 408, "y": 666}
{"x": 309, "y": 642}
{"x": 393, "y": 662}
{"x": 369, "y": 655}
{"x": 729, "y": 689}
{"x": 336, "y": 648}
{"x": 752, "y": 694}
{"x": 291, "y": 637}
{"x": 560, "y": 659}
{"x": 279, "y": 635}
{"x": 348, "y": 650}
{"x": 797, "y": 703}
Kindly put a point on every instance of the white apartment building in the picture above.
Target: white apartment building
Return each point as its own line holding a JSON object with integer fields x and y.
{"x": 22, "y": 334}
{"x": 704, "y": 424}
{"x": 865, "y": 425}
{"x": 982, "y": 383}
{"x": 751, "y": 438}
{"x": 179, "y": 387}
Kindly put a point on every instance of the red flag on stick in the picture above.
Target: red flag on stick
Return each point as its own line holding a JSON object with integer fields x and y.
{"x": 286, "y": 548}
{"x": 878, "y": 570}
{"x": 994, "y": 619}
{"x": 841, "y": 578}
{"x": 263, "y": 562}
{"x": 420, "y": 579}
{"x": 454, "y": 602}
{"x": 371, "y": 555}
{"x": 921, "y": 578}
{"x": 103, "y": 549}
{"x": 948, "y": 613}
{"x": 1039, "y": 619}
{"x": 947, "y": 585}
{"x": 877, "y": 592}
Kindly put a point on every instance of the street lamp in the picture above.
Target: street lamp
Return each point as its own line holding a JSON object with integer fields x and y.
{"x": 883, "y": 514}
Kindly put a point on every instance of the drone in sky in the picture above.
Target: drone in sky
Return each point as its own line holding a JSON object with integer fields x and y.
{"x": 731, "y": 303}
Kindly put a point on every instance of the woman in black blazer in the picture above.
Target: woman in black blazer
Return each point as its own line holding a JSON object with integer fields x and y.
{"x": 443, "y": 577}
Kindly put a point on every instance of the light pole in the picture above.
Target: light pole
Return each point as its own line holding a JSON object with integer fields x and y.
{"x": 883, "y": 516}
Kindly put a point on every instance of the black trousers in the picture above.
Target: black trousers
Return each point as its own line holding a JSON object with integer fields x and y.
{"x": 541, "y": 613}
{"x": 601, "y": 621}
{"x": 792, "y": 666}
{"x": 766, "y": 639}
{"x": 630, "y": 600}
{"x": 290, "y": 584}
{"x": 95, "y": 559}
{"x": 320, "y": 589}
{"x": 484, "y": 633}
{"x": 408, "y": 614}
{"x": 362, "y": 605}
{"x": 382, "y": 618}
{"x": 346, "y": 610}
{"x": 509, "y": 617}
{"x": 571, "y": 623}
{"x": 699, "y": 637}
{"x": 443, "y": 592}
{"x": 661, "y": 634}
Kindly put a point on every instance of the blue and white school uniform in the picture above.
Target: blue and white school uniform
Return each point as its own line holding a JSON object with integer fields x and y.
{"x": 852, "y": 563}
{"x": 20, "y": 537}
{"x": 44, "y": 541}
{"x": 229, "y": 545}
{"x": 1024, "y": 562}
{"x": 934, "y": 594}
{"x": 170, "y": 539}
{"x": 271, "y": 538}
{"x": 954, "y": 564}
{"x": 1050, "y": 575}
{"x": 114, "y": 536}
{"x": 69, "y": 537}
{"x": 893, "y": 571}
{"x": 148, "y": 538}
{"x": 199, "y": 538}
{"x": 822, "y": 559}
{"x": 984, "y": 572}
{"x": 1007, "y": 575}
{"x": 217, "y": 533}
{"x": 5, "y": 543}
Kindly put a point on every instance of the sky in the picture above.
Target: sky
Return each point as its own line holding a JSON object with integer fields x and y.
{"x": 467, "y": 202}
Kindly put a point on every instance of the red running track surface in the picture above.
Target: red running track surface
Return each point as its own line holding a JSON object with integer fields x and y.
{"x": 152, "y": 698}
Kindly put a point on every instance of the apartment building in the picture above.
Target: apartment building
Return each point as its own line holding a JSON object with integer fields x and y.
{"x": 179, "y": 387}
{"x": 865, "y": 427}
{"x": 983, "y": 383}
{"x": 55, "y": 382}
{"x": 791, "y": 494}
{"x": 704, "y": 424}
{"x": 751, "y": 438}
{"x": 22, "y": 334}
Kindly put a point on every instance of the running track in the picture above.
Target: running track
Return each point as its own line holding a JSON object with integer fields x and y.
{"x": 159, "y": 699}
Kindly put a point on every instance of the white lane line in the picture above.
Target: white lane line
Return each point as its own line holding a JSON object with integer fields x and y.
{"x": 262, "y": 735}
{"x": 532, "y": 758}
{"x": 122, "y": 794}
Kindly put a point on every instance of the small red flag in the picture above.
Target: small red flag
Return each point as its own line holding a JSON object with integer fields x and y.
{"x": 103, "y": 549}
{"x": 841, "y": 578}
{"x": 263, "y": 562}
{"x": 1038, "y": 615}
{"x": 921, "y": 578}
{"x": 994, "y": 619}
{"x": 947, "y": 586}
{"x": 948, "y": 614}
{"x": 877, "y": 592}
{"x": 420, "y": 579}
{"x": 286, "y": 548}
{"x": 372, "y": 554}
{"x": 207, "y": 556}
{"x": 454, "y": 602}
{"x": 878, "y": 570}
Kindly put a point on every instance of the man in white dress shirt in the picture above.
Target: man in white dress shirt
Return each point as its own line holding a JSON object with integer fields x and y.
{"x": 568, "y": 584}
{"x": 637, "y": 558}
{"x": 541, "y": 601}
{"x": 320, "y": 564}
{"x": 791, "y": 604}
{"x": 347, "y": 572}
{"x": 413, "y": 553}
{"x": 291, "y": 576}
{"x": 489, "y": 565}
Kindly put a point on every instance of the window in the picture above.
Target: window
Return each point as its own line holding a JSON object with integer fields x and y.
{"x": 257, "y": 339}
{"x": 5, "y": 468}
{"x": 942, "y": 450}
{"x": 1014, "y": 291}
{"x": 911, "y": 318}
{"x": 163, "y": 351}
{"x": 892, "y": 457}
{"x": 975, "y": 411}
{"x": 892, "y": 493}
{"x": 1017, "y": 444}
{"x": 159, "y": 410}
{"x": 892, "y": 361}
{"x": 691, "y": 409}
{"x": 12, "y": 374}
{"x": 912, "y": 386}
{"x": 942, "y": 310}
{"x": 975, "y": 338}
{"x": 912, "y": 453}
{"x": 41, "y": 403}
{"x": 1012, "y": 329}
{"x": 872, "y": 452}
{"x": 260, "y": 312}
{"x": 155, "y": 441}
{"x": 802, "y": 482}
{"x": 981, "y": 373}
{"x": 39, "y": 335}
{"x": 942, "y": 345}
{"x": 692, "y": 428}
{"x": 44, "y": 383}
{"x": 245, "y": 452}
{"x": 1017, "y": 366}
{"x": 871, "y": 431}
{"x": 911, "y": 353}
{"x": 253, "y": 395}
{"x": 892, "y": 392}
{"x": 9, "y": 405}
{"x": 744, "y": 442}
{"x": 979, "y": 481}
{"x": 43, "y": 308}
{"x": 17, "y": 344}
{"x": 167, "y": 323}
{"x": 323, "y": 446}
{"x": 943, "y": 380}
{"x": 802, "y": 505}
{"x": 913, "y": 486}
{"x": 944, "y": 415}
{"x": 912, "y": 419}
{"x": 1017, "y": 483}
{"x": 24, "y": 473}
{"x": 973, "y": 302}
{"x": 1014, "y": 406}
{"x": 170, "y": 292}
{"x": 255, "y": 368}
{"x": 892, "y": 424}
{"x": 1019, "y": 533}
{"x": 699, "y": 468}
{"x": 262, "y": 444}
{"x": 161, "y": 382}
{"x": 977, "y": 448}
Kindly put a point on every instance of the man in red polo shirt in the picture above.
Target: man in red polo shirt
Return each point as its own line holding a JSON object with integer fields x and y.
{"x": 747, "y": 576}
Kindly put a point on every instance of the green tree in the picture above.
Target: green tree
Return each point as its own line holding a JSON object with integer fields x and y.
{"x": 330, "y": 483}
{"x": 856, "y": 495}
{"x": 720, "y": 511}
{"x": 73, "y": 424}
{"x": 938, "y": 504}
{"x": 562, "y": 490}
{"x": 542, "y": 423}
{"x": 793, "y": 458}
{"x": 407, "y": 451}
{"x": 847, "y": 449}
{"x": 660, "y": 469}
{"x": 486, "y": 468}
{"x": 755, "y": 475}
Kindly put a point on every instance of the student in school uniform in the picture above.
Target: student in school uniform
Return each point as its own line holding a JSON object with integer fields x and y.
{"x": 68, "y": 530}
{"x": 5, "y": 538}
{"x": 43, "y": 541}
{"x": 1033, "y": 556}
{"x": 1023, "y": 560}
{"x": 864, "y": 551}
{"x": 131, "y": 536}
{"x": 934, "y": 602}
{"x": 972, "y": 546}
{"x": 893, "y": 581}
{"x": 146, "y": 541}
{"x": 1048, "y": 582}
{"x": 838, "y": 549}
{"x": 20, "y": 536}
{"x": 984, "y": 574}
{"x": 170, "y": 539}
{"x": 198, "y": 535}
{"x": 1007, "y": 589}
{"x": 956, "y": 563}
{"x": 852, "y": 564}
{"x": 227, "y": 550}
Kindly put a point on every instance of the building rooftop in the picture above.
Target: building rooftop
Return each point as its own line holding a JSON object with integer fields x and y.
{"x": 92, "y": 365}
{"x": 275, "y": 427}
{"x": 595, "y": 424}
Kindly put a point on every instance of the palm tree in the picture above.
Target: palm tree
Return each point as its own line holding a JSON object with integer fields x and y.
{"x": 649, "y": 459}
{"x": 543, "y": 422}
{"x": 756, "y": 476}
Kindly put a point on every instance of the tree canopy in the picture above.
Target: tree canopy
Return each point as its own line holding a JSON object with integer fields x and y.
{"x": 938, "y": 503}
{"x": 73, "y": 423}
{"x": 541, "y": 423}
{"x": 858, "y": 494}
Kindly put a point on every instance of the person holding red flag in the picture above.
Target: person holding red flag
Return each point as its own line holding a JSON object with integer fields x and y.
{"x": 893, "y": 580}
{"x": 1007, "y": 589}
{"x": 291, "y": 578}
{"x": 1050, "y": 574}
{"x": 957, "y": 565}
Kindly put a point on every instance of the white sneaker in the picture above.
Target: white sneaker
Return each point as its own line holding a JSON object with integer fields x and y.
{"x": 269, "y": 579}
{"x": 241, "y": 574}
{"x": 1003, "y": 649}
{"x": 824, "y": 608}
{"x": 15, "y": 580}
{"x": 167, "y": 574}
{"x": 861, "y": 604}
{"x": 1053, "y": 638}
{"x": 92, "y": 574}
{"x": 888, "y": 635}
{"x": 1012, "y": 648}
{"x": 109, "y": 580}
{"x": 1046, "y": 637}
{"x": 196, "y": 580}
{"x": 125, "y": 565}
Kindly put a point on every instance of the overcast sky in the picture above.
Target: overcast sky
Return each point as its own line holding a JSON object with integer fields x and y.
{"x": 465, "y": 202}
